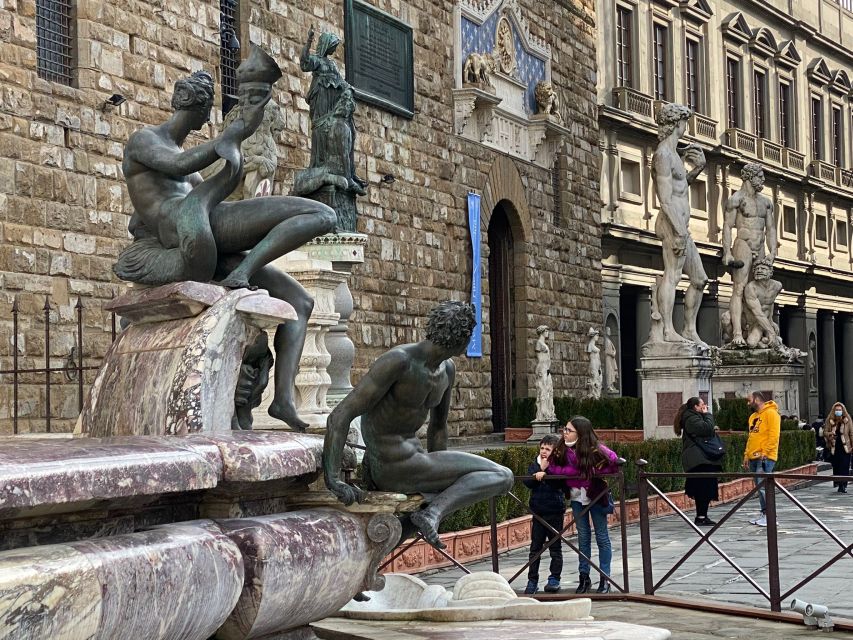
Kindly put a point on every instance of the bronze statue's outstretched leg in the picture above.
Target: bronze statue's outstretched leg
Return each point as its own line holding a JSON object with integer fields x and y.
{"x": 267, "y": 228}
{"x": 289, "y": 336}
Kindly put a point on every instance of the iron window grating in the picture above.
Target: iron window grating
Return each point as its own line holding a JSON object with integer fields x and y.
{"x": 229, "y": 59}
{"x": 54, "y": 40}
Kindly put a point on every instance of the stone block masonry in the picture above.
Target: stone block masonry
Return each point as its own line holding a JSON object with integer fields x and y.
{"x": 64, "y": 206}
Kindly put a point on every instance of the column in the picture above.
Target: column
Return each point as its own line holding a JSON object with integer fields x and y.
{"x": 644, "y": 319}
{"x": 827, "y": 380}
{"x": 847, "y": 356}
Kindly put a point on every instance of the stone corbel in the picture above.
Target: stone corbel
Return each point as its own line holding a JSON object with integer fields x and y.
{"x": 546, "y": 137}
{"x": 470, "y": 100}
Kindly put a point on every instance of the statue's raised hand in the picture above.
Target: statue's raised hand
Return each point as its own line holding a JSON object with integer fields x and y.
{"x": 344, "y": 492}
{"x": 679, "y": 245}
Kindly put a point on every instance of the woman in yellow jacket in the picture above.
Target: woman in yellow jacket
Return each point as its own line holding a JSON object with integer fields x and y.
{"x": 762, "y": 445}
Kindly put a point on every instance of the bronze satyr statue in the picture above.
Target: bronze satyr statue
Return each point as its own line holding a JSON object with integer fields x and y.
{"x": 404, "y": 387}
{"x": 183, "y": 230}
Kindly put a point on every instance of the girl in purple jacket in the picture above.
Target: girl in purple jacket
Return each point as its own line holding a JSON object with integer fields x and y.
{"x": 581, "y": 457}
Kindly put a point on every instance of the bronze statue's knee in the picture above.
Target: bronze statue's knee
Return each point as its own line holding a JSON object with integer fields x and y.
{"x": 328, "y": 219}
{"x": 303, "y": 305}
{"x": 507, "y": 479}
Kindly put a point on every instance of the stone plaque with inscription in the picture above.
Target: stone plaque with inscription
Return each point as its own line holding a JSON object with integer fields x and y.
{"x": 379, "y": 58}
{"x": 668, "y": 404}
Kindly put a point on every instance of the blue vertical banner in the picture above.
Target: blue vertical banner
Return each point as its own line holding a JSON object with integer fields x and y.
{"x": 475, "y": 347}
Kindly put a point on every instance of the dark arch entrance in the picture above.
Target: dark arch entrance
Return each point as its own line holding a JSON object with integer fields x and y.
{"x": 501, "y": 314}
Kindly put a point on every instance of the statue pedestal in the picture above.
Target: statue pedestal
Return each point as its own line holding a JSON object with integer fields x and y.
{"x": 742, "y": 371}
{"x": 312, "y": 381}
{"x": 542, "y": 428}
{"x": 174, "y": 369}
{"x": 671, "y": 372}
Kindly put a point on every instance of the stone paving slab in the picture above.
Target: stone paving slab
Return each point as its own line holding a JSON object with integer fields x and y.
{"x": 803, "y": 547}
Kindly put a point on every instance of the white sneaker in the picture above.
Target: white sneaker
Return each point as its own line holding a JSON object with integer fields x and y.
{"x": 762, "y": 521}
{"x": 756, "y": 519}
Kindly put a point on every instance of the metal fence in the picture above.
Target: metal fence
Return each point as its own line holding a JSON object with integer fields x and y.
{"x": 70, "y": 372}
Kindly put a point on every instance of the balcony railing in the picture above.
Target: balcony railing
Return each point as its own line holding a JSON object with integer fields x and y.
{"x": 703, "y": 127}
{"x": 793, "y": 160}
{"x": 633, "y": 101}
{"x": 770, "y": 151}
{"x": 824, "y": 171}
{"x": 846, "y": 175}
{"x": 742, "y": 141}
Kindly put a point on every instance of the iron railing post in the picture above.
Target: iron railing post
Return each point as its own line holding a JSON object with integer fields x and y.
{"x": 493, "y": 533}
{"x": 623, "y": 526}
{"x": 772, "y": 542}
{"x": 645, "y": 540}
{"x": 15, "y": 365}
{"x": 47, "y": 363}
{"x": 79, "y": 354}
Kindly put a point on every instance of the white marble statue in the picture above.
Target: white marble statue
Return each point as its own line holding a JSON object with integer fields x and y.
{"x": 672, "y": 186}
{"x": 752, "y": 215}
{"x": 544, "y": 383}
{"x": 546, "y": 100}
{"x": 594, "y": 381}
{"x": 611, "y": 368}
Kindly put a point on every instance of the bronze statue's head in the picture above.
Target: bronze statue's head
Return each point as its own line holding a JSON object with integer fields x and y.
{"x": 327, "y": 44}
{"x": 671, "y": 116}
{"x": 451, "y": 324}
{"x": 194, "y": 93}
{"x": 753, "y": 173}
{"x": 763, "y": 268}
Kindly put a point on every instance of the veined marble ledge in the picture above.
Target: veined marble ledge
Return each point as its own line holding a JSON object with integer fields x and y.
{"x": 51, "y": 472}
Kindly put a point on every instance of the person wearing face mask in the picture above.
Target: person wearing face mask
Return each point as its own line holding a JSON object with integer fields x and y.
{"x": 762, "y": 445}
{"x": 580, "y": 456}
{"x": 693, "y": 421}
{"x": 838, "y": 434}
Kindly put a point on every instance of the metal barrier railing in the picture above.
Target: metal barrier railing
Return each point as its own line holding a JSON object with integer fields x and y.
{"x": 771, "y": 485}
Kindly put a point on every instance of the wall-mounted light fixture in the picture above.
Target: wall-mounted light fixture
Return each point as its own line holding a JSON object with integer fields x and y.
{"x": 113, "y": 101}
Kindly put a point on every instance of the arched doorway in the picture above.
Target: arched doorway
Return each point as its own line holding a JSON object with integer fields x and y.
{"x": 501, "y": 314}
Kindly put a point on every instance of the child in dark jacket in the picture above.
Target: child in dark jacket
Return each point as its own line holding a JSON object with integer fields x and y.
{"x": 548, "y": 502}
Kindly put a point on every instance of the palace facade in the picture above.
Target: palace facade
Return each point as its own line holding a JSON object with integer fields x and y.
{"x": 769, "y": 82}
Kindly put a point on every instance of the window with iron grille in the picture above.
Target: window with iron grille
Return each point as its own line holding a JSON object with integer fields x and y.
{"x": 624, "y": 28}
{"x": 660, "y": 47}
{"x": 785, "y": 106}
{"x": 837, "y": 148}
{"x": 760, "y": 104}
{"x": 229, "y": 56}
{"x": 733, "y": 92}
{"x": 54, "y": 40}
{"x": 692, "y": 69}
{"x": 817, "y": 129}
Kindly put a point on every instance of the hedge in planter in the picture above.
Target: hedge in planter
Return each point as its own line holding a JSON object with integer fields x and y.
{"x": 604, "y": 413}
{"x": 796, "y": 448}
{"x": 732, "y": 414}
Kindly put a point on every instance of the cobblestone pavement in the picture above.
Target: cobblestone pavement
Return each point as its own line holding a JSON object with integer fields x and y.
{"x": 803, "y": 547}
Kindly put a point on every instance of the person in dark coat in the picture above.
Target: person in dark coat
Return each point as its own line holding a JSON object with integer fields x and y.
{"x": 548, "y": 501}
{"x": 691, "y": 422}
{"x": 838, "y": 432}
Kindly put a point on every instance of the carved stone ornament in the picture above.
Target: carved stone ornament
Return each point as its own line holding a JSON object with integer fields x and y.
{"x": 478, "y": 71}
{"x": 546, "y": 100}
{"x": 505, "y": 47}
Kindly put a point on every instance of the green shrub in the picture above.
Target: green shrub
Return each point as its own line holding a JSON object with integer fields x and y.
{"x": 732, "y": 414}
{"x": 604, "y": 413}
{"x": 796, "y": 448}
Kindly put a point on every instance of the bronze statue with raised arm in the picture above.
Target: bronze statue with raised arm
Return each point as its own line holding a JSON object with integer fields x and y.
{"x": 404, "y": 387}
{"x": 183, "y": 229}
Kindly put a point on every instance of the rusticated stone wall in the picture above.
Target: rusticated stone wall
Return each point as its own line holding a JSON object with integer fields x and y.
{"x": 64, "y": 206}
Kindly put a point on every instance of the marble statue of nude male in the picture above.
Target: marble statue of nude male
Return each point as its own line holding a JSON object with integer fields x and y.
{"x": 672, "y": 185}
{"x": 184, "y": 230}
{"x": 752, "y": 215}
{"x": 404, "y": 387}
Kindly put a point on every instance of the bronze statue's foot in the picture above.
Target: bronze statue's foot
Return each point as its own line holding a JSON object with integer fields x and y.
{"x": 237, "y": 282}
{"x": 356, "y": 188}
{"x": 244, "y": 417}
{"x": 286, "y": 412}
{"x": 428, "y": 528}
